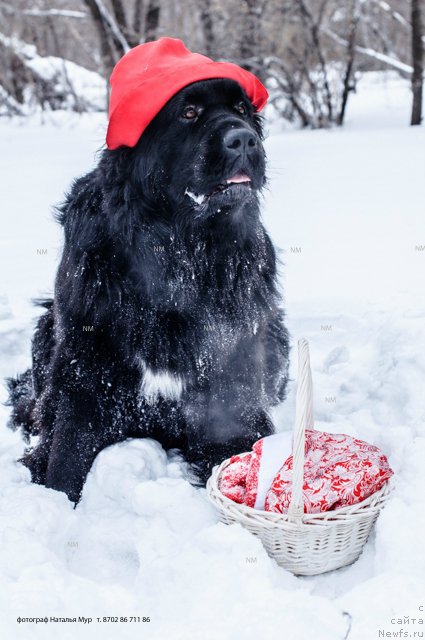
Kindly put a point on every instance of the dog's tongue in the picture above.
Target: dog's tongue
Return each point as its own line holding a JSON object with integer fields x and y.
{"x": 239, "y": 177}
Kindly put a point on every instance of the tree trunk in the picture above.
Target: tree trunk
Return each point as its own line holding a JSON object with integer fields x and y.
{"x": 417, "y": 58}
{"x": 107, "y": 53}
{"x": 206, "y": 16}
{"x": 351, "y": 54}
{"x": 152, "y": 20}
{"x": 137, "y": 17}
{"x": 121, "y": 19}
{"x": 252, "y": 46}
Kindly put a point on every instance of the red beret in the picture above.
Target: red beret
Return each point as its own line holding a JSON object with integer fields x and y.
{"x": 150, "y": 74}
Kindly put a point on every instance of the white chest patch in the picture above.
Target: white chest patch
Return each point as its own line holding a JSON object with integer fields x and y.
{"x": 162, "y": 384}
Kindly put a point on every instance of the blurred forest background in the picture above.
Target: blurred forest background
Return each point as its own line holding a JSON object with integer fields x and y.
{"x": 58, "y": 54}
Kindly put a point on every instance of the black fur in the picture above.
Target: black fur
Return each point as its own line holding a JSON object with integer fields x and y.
{"x": 151, "y": 278}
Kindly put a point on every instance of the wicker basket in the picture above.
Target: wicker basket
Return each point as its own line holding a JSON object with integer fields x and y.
{"x": 306, "y": 544}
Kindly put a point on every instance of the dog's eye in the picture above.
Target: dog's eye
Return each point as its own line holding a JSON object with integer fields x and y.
{"x": 190, "y": 113}
{"x": 241, "y": 107}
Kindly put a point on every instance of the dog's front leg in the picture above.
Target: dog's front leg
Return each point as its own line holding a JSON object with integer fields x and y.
{"x": 222, "y": 425}
{"x": 95, "y": 408}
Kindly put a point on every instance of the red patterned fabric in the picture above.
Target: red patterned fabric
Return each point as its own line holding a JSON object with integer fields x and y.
{"x": 339, "y": 471}
{"x": 239, "y": 481}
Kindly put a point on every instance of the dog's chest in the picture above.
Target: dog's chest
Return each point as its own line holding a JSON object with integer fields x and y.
{"x": 197, "y": 313}
{"x": 191, "y": 276}
{"x": 200, "y": 352}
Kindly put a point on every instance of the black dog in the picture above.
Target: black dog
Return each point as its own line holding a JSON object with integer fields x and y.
{"x": 165, "y": 321}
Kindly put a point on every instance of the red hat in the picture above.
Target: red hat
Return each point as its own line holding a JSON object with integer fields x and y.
{"x": 150, "y": 74}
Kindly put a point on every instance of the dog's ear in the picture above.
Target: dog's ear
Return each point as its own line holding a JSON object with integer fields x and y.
{"x": 259, "y": 125}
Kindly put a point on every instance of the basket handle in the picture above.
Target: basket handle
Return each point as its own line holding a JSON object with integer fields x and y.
{"x": 303, "y": 421}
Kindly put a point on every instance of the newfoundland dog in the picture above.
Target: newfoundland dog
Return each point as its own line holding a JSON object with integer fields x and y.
{"x": 165, "y": 321}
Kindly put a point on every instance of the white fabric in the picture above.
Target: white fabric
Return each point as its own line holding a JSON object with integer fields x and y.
{"x": 276, "y": 449}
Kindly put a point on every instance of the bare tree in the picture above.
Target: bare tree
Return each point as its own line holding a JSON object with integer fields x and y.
{"x": 308, "y": 52}
{"x": 348, "y": 84}
{"x": 417, "y": 59}
{"x": 305, "y": 69}
{"x": 252, "y": 42}
{"x": 152, "y": 20}
{"x": 313, "y": 30}
{"x": 137, "y": 16}
{"x": 108, "y": 53}
{"x": 207, "y": 17}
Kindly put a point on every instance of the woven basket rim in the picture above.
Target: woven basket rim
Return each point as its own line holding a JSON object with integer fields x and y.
{"x": 330, "y": 517}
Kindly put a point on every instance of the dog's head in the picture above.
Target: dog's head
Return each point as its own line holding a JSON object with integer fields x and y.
{"x": 202, "y": 156}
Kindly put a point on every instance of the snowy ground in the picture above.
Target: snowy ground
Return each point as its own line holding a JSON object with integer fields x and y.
{"x": 346, "y": 208}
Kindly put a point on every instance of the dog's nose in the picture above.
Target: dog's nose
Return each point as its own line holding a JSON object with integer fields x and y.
{"x": 239, "y": 141}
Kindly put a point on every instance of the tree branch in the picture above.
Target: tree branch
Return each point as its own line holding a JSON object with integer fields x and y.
{"x": 42, "y": 13}
{"x": 371, "y": 53}
{"x": 112, "y": 26}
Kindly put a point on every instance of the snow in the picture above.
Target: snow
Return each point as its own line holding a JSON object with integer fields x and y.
{"x": 85, "y": 90}
{"x": 346, "y": 208}
{"x": 88, "y": 87}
